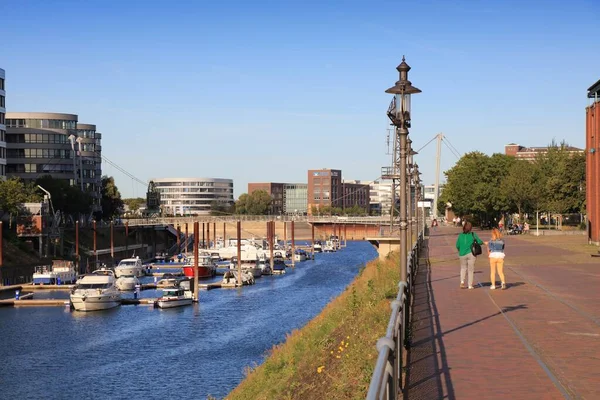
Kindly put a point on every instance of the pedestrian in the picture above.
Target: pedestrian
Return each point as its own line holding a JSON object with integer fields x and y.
{"x": 454, "y": 221}
{"x": 467, "y": 258}
{"x": 525, "y": 228}
{"x": 496, "y": 255}
{"x": 457, "y": 221}
{"x": 434, "y": 224}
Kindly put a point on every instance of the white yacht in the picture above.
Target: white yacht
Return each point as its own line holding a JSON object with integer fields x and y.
{"x": 61, "y": 271}
{"x": 127, "y": 282}
{"x": 329, "y": 247}
{"x": 174, "y": 297}
{"x": 96, "y": 291}
{"x": 318, "y": 248}
{"x": 130, "y": 267}
{"x": 231, "y": 278}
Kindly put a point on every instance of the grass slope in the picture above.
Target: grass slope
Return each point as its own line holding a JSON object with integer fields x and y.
{"x": 333, "y": 356}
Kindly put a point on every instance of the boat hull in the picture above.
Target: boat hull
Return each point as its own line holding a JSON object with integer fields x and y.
{"x": 129, "y": 271}
{"x": 172, "y": 303}
{"x": 95, "y": 303}
{"x": 203, "y": 272}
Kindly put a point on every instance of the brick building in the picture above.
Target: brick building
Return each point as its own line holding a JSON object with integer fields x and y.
{"x": 276, "y": 190}
{"x": 592, "y": 131}
{"x": 327, "y": 189}
{"x": 530, "y": 153}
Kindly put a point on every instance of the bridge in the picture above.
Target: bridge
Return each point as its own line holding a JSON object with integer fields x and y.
{"x": 367, "y": 220}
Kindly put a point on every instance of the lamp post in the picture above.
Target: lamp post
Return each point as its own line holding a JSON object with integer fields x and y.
{"x": 417, "y": 183}
{"x": 399, "y": 114}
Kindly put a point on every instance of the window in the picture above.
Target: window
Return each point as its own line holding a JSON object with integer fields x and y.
{"x": 2, "y": 116}
{"x": 2, "y": 101}
{"x": 1, "y": 83}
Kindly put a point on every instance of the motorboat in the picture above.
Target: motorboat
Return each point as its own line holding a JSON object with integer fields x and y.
{"x": 174, "y": 297}
{"x": 252, "y": 268}
{"x": 206, "y": 267}
{"x": 231, "y": 278}
{"x": 60, "y": 272}
{"x": 130, "y": 267}
{"x": 299, "y": 255}
{"x": 278, "y": 263}
{"x": 96, "y": 291}
{"x": 127, "y": 282}
{"x": 169, "y": 280}
{"x": 329, "y": 247}
{"x": 318, "y": 247}
{"x": 265, "y": 265}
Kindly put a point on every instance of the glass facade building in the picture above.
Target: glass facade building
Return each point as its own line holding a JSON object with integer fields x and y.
{"x": 295, "y": 198}
{"x": 193, "y": 196}
{"x": 40, "y": 144}
{"x": 2, "y": 126}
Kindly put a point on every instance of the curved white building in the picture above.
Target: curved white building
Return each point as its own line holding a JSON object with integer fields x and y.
{"x": 185, "y": 196}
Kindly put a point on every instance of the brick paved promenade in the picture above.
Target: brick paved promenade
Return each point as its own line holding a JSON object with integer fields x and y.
{"x": 539, "y": 339}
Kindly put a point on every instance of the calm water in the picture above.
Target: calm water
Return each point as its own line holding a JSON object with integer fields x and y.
{"x": 141, "y": 352}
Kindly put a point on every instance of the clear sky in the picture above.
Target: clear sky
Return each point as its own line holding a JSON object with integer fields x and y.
{"x": 260, "y": 91}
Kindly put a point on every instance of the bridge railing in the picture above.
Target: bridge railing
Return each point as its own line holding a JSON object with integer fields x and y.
{"x": 386, "y": 382}
{"x": 381, "y": 220}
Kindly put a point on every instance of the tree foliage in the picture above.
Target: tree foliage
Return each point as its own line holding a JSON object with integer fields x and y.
{"x": 134, "y": 204}
{"x": 221, "y": 208}
{"x": 492, "y": 185}
{"x": 111, "y": 202}
{"x": 66, "y": 198}
{"x": 255, "y": 203}
{"x": 13, "y": 192}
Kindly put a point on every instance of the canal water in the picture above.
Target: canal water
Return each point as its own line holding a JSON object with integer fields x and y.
{"x": 138, "y": 352}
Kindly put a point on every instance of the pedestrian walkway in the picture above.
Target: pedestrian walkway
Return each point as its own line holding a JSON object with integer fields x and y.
{"x": 539, "y": 339}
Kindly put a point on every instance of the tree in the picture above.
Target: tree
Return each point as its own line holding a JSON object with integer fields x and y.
{"x": 66, "y": 198}
{"x": 134, "y": 204}
{"x": 220, "y": 208}
{"x": 520, "y": 188}
{"x": 255, "y": 203}
{"x": 111, "y": 202}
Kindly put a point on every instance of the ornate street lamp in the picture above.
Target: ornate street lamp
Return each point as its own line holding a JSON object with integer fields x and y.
{"x": 399, "y": 113}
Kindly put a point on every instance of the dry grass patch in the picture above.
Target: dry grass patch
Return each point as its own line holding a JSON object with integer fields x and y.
{"x": 333, "y": 356}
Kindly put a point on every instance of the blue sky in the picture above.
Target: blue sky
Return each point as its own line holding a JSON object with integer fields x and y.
{"x": 260, "y": 91}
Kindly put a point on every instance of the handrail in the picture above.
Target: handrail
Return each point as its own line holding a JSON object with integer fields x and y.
{"x": 386, "y": 382}
{"x": 283, "y": 218}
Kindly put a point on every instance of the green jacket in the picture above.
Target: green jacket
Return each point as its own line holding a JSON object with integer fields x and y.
{"x": 464, "y": 241}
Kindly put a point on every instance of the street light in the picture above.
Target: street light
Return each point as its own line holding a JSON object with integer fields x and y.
{"x": 399, "y": 113}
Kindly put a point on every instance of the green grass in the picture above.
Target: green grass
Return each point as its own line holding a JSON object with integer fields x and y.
{"x": 333, "y": 356}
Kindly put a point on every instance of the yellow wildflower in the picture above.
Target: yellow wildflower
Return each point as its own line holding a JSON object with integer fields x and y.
{"x": 320, "y": 369}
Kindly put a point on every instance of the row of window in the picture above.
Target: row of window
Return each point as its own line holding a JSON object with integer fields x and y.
{"x": 215, "y": 184}
{"x": 39, "y": 153}
{"x": 41, "y": 123}
{"x": 206, "y": 201}
{"x": 37, "y": 138}
{"x": 1, "y": 83}
{"x": 86, "y": 133}
{"x": 2, "y": 170}
{"x": 39, "y": 168}
{"x": 2, "y": 135}
{"x": 2, "y": 152}
{"x": 194, "y": 190}
{"x": 2, "y": 118}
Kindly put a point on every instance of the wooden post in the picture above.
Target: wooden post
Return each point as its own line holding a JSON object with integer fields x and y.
{"x": 178, "y": 239}
{"x": 208, "y": 235}
{"x": 95, "y": 253}
{"x": 224, "y": 233}
{"x": 77, "y": 266}
{"x": 271, "y": 240}
{"x": 239, "y": 252}
{"x": 112, "y": 245}
{"x": 312, "y": 243}
{"x": 293, "y": 246}
{"x": 186, "y": 238}
{"x": 284, "y": 237}
{"x": 215, "y": 235}
{"x": 196, "y": 250}
{"x": 127, "y": 238}
{"x": 345, "y": 235}
{"x": 203, "y": 238}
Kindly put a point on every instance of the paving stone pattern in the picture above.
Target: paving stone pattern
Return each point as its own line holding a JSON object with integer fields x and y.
{"x": 539, "y": 339}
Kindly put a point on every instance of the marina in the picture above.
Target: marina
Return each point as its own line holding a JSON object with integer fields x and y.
{"x": 194, "y": 337}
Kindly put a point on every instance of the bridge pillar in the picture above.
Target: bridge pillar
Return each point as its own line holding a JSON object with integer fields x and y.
{"x": 385, "y": 246}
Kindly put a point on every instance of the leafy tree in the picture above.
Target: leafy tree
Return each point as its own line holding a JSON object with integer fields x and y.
{"x": 134, "y": 204}
{"x": 220, "y": 208}
{"x": 520, "y": 188}
{"x": 256, "y": 203}
{"x": 66, "y": 198}
{"x": 111, "y": 202}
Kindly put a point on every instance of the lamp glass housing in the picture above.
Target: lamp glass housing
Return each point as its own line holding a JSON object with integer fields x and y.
{"x": 403, "y": 104}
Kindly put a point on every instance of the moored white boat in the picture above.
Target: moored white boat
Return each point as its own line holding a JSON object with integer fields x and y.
{"x": 127, "y": 282}
{"x": 130, "y": 267}
{"x": 317, "y": 247}
{"x": 300, "y": 255}
{"x": 174, "y": 297}
{"x": 96, "y": 291}
{"x": 61, "y": 271}
{"x": 231, "y": 278}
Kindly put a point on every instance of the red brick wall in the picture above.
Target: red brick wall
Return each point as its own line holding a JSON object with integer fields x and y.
{"x": 592, "y": 171}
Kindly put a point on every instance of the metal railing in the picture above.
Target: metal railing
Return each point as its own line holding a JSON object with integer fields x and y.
{"x": 286, "y": 218}
{"x": 386, "y": 382}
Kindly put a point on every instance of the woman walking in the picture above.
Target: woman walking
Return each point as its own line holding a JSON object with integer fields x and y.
{"x": 496, "y": 254}
{"x": 467, "y": 258}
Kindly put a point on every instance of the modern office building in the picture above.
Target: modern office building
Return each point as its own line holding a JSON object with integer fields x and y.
{"x": 276, "y": 190}
{"x": 357, "y": 193}
{"x": 2, "y": 126}
{"x": 530, "y": 153}
{"x": 295, "y": 198}
{"x": 40, "y": 144}
{"x": 193, "y": 196}
{"x": 324, "y": 188}
{"x": 592, "y": 161}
